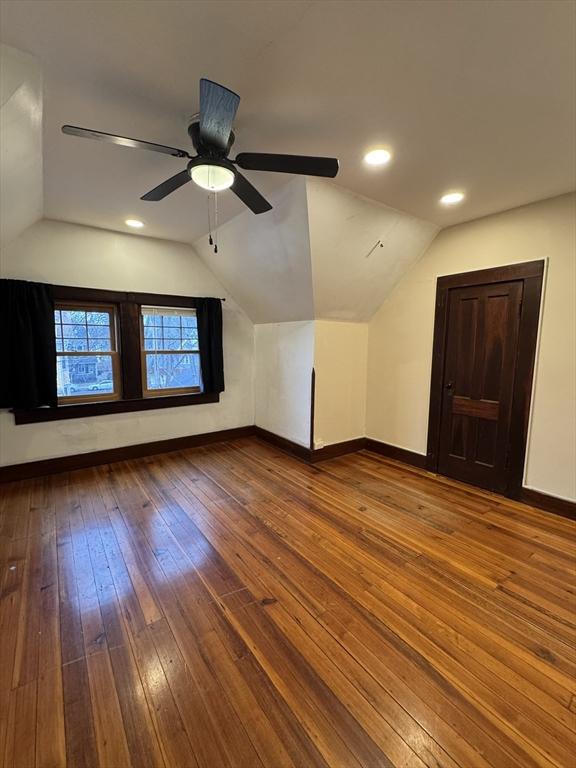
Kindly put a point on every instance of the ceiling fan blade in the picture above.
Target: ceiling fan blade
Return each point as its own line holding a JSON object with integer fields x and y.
{"x": 167, "y": 187}
{"x": 249, "y": 194}
{"x": 110, "y": 138}
{"x": 218, "y": 107}
{"x": 310, "y": 166}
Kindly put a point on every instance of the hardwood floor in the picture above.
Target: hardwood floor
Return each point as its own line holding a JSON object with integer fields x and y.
{"x": 232, "y": 606}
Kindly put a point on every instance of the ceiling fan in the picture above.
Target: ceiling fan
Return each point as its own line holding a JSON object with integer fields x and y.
{"x": 212, "y": 137}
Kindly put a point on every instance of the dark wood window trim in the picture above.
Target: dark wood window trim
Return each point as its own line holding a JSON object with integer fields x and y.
{"x": 35, "y": 415}
{"x": 128, "y": 312}
{"x": 531, "y": 273}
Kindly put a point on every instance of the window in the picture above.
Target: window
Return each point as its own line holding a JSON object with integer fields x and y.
{"x": 121, "y": 352}
{"x": 86, "y": 353}
{"x": 170, "y": 352}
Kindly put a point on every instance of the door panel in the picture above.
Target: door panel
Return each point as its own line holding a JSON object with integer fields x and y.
{"x": 478, "y": 382}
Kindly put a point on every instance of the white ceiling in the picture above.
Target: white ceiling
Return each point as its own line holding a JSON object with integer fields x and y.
{"x": 478, "y": 95}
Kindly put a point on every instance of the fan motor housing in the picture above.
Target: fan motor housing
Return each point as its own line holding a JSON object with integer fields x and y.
{"x": 206, "y": 149}
{"x": 206, "y": 160}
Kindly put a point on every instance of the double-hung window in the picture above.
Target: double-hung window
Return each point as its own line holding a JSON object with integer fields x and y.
{"x": 170, "y": 351}
{"x": 120, "y": 352}
{"x": 87, "y": 360}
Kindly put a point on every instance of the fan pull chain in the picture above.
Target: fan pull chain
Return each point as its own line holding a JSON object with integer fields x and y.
{"x": 210, "y": 240}
{"x": 215, "y": 222}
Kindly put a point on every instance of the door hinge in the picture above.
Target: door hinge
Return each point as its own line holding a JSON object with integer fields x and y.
{"x": 520, "y": 307}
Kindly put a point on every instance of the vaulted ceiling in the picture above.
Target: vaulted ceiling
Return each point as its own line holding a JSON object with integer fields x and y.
{"x": 359, "y": 250}
{"x": 265, "y": 262}
{"x": 322, "y": 252}
{"x": 478, "y": 95}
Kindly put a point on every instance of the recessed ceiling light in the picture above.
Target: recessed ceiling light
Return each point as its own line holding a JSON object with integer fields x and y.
{"x": 452, "y": 198}
{"x": 377, "y": 157}
{"x": 134, "y": 223}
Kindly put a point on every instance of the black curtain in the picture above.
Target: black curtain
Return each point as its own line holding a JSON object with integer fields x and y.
{"x": 28, "y": 377}
{"x": 209, "y": 319}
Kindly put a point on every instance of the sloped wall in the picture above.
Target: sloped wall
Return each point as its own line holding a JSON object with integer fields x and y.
{"x": 313, "y": 255}
{"x": 21, "y": 180}
{"x": 400, "y": 336}
{"x": 352, "y": 275}
{"x": 68, "y": 254}
{"x": 265, "y": 261}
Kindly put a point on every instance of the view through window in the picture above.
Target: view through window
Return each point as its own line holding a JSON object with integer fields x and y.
{"x": 170, "y": 351}
{"x": 85, "y": 353}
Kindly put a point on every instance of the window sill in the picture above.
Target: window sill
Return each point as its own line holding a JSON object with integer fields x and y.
{"x": 103, "y": 408}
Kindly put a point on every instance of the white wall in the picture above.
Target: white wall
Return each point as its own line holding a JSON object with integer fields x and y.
{"x": 340, "y": 362}
{"x": 284, "y": 357}
{"x": 68, "y": 254}
{"x": 312, "y": 256}
{"x": 285, "y": 354}
{"x": 351, "y": 277}
{"x": 400, "y": 336}
{"x": 264, "y": 260}
{"x": 21, "y": 183}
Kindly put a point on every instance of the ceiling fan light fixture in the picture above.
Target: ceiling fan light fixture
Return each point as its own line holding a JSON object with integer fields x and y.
{"x": 214, "y": 178}
{"x": 212, "y": 137}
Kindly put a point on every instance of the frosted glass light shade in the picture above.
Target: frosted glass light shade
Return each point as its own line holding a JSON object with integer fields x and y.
{"x": 214, "y": 178}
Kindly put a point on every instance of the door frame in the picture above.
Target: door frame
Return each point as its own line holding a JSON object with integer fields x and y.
{"x": 531, "y": 273}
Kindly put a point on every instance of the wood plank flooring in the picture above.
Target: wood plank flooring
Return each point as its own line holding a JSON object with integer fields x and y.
{"x": 232, "y": 606}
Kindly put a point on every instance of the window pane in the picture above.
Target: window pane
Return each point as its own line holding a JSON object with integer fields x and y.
{"x": 172, "y": 333}
{"x": 73, "y": 316}
{"x": 56, "y": 315}
{"x": 99, "y": 338}
{"x": 190, "y": 344}
{"x": 79, "y": 337}
{"x": 84, "y": 375}
{"x": 171, "y": 321}
{"x": 172, "y": 371}
{"x": 74, "y": 331}
{"x": 99, "y": 331}
{"x": 98, "y": 318}
{"x": 75, "y": 345}
{"x": 99, "y": 345}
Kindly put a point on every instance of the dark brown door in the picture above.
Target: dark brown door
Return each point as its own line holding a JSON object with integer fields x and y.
{"x": 482, "y": 336}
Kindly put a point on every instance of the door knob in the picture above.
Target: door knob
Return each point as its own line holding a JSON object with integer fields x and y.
{"x": 449, "y": 386}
